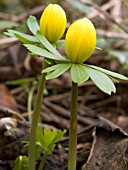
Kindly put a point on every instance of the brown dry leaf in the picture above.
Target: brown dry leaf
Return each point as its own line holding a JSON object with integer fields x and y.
{"x": 109, "y": 148}
{"x": 12, "y": 133}
{"x": 8, "y": 106}
{"x": 6, "y": 99}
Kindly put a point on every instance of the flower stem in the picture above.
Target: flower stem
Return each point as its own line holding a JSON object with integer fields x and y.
{"x": 43, "y": 161}
{"x": 30, "y": 98}
{"x": 35, "y": 119}
{"x": 73, "y": 128}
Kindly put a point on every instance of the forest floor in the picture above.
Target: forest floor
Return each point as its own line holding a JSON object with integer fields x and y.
{"x": 102, "y": 119}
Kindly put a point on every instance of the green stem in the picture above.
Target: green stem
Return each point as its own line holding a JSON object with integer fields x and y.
{"x": 35, "y": 119}
{"x": 43, "y": 161}
{"x": 30, "y": 98}
{"x": 73, "y": 128}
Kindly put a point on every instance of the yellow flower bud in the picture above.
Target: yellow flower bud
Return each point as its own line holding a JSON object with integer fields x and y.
{"x": 53, "y": 22}
{"x": 80, "y": 40}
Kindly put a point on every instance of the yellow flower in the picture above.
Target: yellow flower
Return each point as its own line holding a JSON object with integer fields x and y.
{"x": 53, "y": 22}
{"x": 80, "y": 40}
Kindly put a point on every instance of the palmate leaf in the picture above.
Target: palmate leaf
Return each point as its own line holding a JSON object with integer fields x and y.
{"x": 51, "y": 136}
{"x": 78, "y": 73}
{"x": 48, "y": 137}
{"x": 41, "y": 138}
{"x": 33, "y": 24}
{"x": 110, "y": 73}
{"x": 42, "y": 52}
{"x": 59, "y": 136}
{"x": 26, "y": 39}
{"x": 57, "y": 70}
{"x": 101, "y": 80}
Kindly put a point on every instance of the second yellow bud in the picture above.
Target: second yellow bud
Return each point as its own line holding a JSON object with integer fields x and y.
{"x": 80, "y": 40}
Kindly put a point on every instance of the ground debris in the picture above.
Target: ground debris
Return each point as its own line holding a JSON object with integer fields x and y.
{"x": 109, "y": 148}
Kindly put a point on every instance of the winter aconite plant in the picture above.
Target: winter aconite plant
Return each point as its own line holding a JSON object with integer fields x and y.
{"x": 79, "y": 45}
{"x": 52, "y": 26}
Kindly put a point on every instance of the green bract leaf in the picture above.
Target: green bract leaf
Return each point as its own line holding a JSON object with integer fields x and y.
{"x": 98, "y": 48}
{"x": 101, "y": 80}
{"x": 78, "y": 73}
{"x": 49, "y": 69}
{"x": 10, "y": 34}
{"x": 60, "y": 43}
{"x": 26, "y": 39}
{"x": 57, "y": 70}
{"x": 42, "y": 52}
{"x": 32, "y": 24}
{"x": 49, "y": 61}
{"x": 47, "y": 45}
{"x": 110, "y": 73}
{"x": 22, "y": 37}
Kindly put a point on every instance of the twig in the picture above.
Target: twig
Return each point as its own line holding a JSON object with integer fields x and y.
{"x": 4, "y": 43}
{"x": 116, "y": 11}
{"x": 7, "y": 16}
{"x": 104, "y": 7}
{"x": 30, "y": 12}
{"x": 108, "y": 34}
{"x": 23, "y": 15}
{"x": 11, "y": 113}
{"x": 105, "y": 14}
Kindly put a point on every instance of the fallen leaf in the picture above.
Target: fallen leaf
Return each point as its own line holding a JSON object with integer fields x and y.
{"x": 110, "y": 147}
